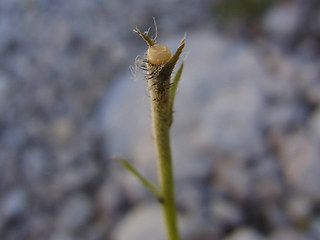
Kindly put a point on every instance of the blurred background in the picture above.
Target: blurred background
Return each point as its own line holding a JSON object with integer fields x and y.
{"x": 245, "y": 139}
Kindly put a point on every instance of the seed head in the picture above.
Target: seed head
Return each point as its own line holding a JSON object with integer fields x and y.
{"x": 158, "y": 54}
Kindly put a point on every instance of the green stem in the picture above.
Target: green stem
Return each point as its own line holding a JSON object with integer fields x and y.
{"x": 162, "y": 110}
{"x": 159, "y": 94}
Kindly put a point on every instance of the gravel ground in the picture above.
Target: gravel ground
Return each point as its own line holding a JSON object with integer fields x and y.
{"x": 249, "y": 167}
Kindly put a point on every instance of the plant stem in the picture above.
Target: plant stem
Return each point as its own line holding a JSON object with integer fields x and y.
{"x": 160, "y": 107}
{"x": 149, "y": 185}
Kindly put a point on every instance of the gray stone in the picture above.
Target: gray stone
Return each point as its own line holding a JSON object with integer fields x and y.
{"x": 274, "y": 214}
{"x": 226, "y": 213}
{"x": 109, "y": 197}
{"x": 268, "y": 185}
{"x": 299, "y": 208}
{"x": 35, "y": 164}
{"x": 315, "y": 227}
{"x": 189, "y": 197}
{"x": 75, "y": 213}
{"x": 40, "y": 224}
{"x": 234, "y": 178}
{"x": 61, "y": 236}
{"x": 195, "y": 228}
{"x": 4, "y": 86}
{"x": 72, "y": 179}
{"x": 299, "y": 158}
{"x": 61, "y": 130}
{"x": 269, "y": 188}
{"x": 281, "y": 115}
{"x": 14, "y": 204}
{"x": 288, "y": 234}
{"x": 314, "y": 124}
{"x": 283, "y": 21}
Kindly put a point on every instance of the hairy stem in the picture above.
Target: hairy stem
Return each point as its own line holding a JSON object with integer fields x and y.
{"x": 160, "y": 107}
{"x": 162, "y": 110}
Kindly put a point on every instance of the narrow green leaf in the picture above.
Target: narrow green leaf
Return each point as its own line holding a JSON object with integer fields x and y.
{"x": 173, "y": 90}
{"x": 145, "y": 37}
{"x": 167, "y": 69}
{"x": 149, "y": 185}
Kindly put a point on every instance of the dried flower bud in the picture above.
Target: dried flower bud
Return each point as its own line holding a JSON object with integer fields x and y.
{"x": 158, "y": 54}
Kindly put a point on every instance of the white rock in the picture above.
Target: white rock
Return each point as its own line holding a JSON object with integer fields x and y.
{"x": 226, "y": 213}
{"x": 299, "y": 208}
{"x": 146, "y": 222}
{"x": 284, "y": 20}
{"x": 244, "y": 234}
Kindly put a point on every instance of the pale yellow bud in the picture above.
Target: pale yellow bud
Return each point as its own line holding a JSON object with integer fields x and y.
{"x": 158, "y": 54}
